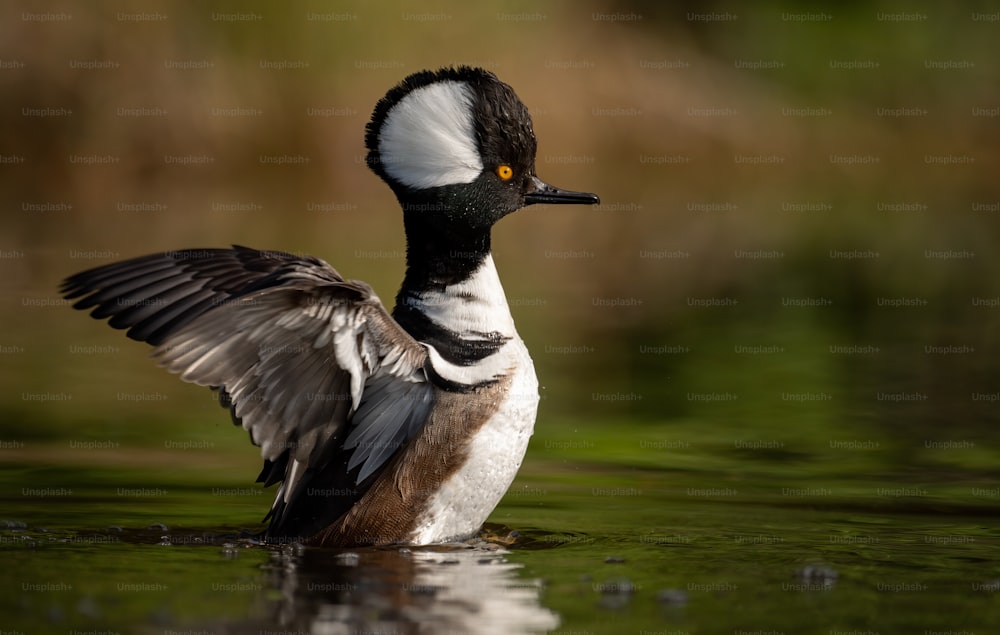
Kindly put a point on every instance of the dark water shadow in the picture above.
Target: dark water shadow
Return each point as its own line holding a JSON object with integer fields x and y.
{"x": 468, "y": 587}
{"x": 450, "y": 588}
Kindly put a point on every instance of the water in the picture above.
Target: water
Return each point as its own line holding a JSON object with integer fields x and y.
{"x": 575, "y": 547}
{"x": 770, "y": 391}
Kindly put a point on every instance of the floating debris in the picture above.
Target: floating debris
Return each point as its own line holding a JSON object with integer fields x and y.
{"x": 348, "y": 559}
{"x": 672, "y": 597}
{"x": 88, "y": 606}
{"x": 818, "y": 575}
{"x": 615, "y": 594}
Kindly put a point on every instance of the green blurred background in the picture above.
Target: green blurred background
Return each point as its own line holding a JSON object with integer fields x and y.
{"x": 792, "y": 274}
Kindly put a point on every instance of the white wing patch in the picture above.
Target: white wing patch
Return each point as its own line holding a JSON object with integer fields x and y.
{"x": 428, "y": 140}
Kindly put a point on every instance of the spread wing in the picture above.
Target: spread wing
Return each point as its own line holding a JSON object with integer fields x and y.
{"x": 317, "y": 371}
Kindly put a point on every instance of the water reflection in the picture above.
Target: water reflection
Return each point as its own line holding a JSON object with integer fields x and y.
{"x": 447, "y": 589}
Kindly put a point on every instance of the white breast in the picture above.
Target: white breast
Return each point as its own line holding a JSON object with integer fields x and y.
{"x": 462, "y": 504}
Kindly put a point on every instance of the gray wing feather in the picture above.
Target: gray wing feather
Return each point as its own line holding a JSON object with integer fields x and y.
{"x": 310, "y": 362}
{"x": 390, "y": 412}
{"x": 300, "y": 363}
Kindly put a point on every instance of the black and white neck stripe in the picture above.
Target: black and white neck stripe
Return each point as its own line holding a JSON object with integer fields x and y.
{"x": 465, "y": 325}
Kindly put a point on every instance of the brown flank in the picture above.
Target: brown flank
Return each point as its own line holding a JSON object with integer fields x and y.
{"x": 389, "y": 511}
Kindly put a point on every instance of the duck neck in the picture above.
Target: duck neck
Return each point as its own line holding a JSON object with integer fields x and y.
{"x": 439, "y": 257}
{"x": 451, "y": 296}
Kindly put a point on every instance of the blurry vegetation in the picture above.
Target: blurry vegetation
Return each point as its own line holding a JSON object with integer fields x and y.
{"x": 605, "y": 95}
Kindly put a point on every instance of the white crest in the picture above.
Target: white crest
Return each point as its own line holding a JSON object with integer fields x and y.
{"x": 427, "y": 139}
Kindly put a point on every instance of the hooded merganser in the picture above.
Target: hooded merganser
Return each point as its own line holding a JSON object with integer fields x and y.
{"x": 402, "y": 428}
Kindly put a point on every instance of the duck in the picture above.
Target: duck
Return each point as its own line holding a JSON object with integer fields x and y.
{"x": 378, "y": 427}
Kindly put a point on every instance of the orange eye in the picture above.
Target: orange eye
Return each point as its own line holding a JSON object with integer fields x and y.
{"x": 505, "y": 172}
